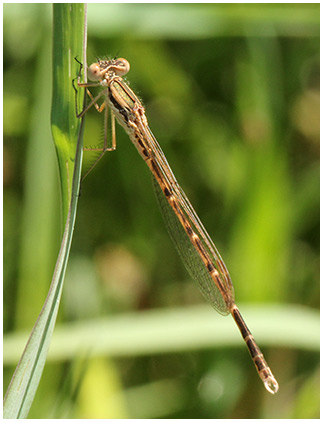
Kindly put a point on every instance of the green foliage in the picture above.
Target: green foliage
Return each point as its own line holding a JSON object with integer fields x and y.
{"x": 232, "y": 96}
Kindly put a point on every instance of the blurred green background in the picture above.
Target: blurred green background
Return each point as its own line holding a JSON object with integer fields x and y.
{"x": 232, "y": 96}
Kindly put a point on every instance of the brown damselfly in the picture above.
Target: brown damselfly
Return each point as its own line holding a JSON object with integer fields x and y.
{"x": 199, "y": 254}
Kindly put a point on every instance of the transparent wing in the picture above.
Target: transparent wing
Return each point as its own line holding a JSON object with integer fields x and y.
{"x": 188, "y": 253}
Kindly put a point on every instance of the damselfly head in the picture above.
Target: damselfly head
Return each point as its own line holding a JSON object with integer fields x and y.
{"x": 97, "y": 71}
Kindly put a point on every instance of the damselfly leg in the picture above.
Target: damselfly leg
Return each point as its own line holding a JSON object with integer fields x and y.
{"x": 103, "y": 107}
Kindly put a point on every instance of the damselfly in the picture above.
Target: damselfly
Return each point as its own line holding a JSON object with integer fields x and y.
{"x": 199, "y": 254}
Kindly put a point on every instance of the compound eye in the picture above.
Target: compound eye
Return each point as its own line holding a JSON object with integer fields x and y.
{"x": 94, "y": 72}
{"x": 121, "y": 67}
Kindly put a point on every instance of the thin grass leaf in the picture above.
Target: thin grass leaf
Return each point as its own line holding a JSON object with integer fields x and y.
{"x": 65, "y": 126}
{"x": 67, "y": 134}
{"x": 176, "y": 330}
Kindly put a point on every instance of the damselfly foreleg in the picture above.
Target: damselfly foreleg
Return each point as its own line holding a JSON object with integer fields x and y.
{"x": 103, "y": 107}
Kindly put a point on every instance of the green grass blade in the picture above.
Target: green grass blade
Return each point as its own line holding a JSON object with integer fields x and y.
{"x": 65, "y": 125}
{"x": 67, "y": 134}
